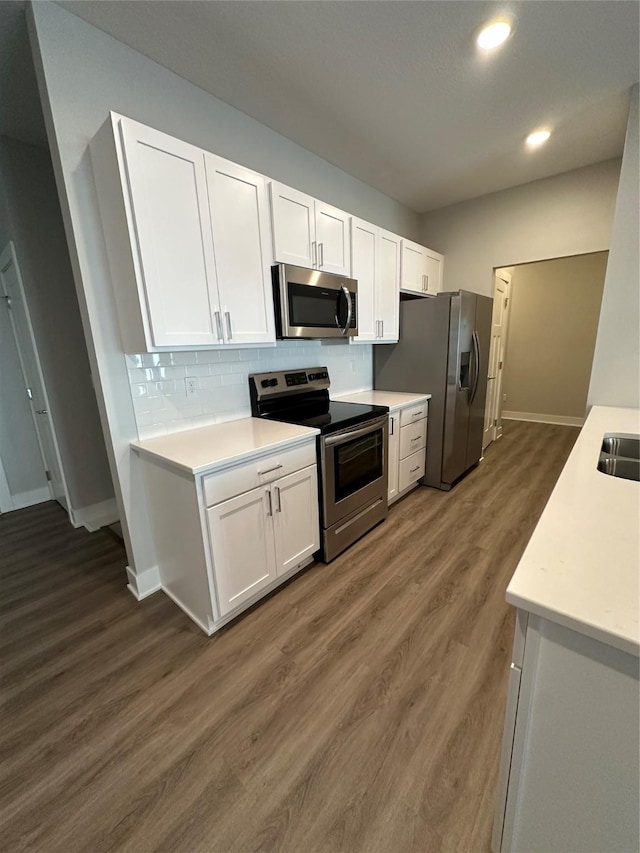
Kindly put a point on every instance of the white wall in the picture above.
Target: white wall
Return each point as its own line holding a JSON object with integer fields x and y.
{"x": 615, "y": 378}
{"x": 569, "y": 214}
{"x": 35, "y": 226}
{"x": 553, "y": 320}
{"x": 83, "y": 73}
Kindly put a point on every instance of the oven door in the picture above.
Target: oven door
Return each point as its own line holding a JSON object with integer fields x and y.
{"x": 354, "y": 469}
{"x": 312, "y": 304}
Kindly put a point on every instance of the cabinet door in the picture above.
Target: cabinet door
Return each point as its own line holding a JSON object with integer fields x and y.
{"x": 394, "y": 455}
{"x": 293, "y": 221}
{"x": 433, "y": 272}
{"x": 332, "y": 234}
{"x": 170, "y": 212}
{"x": 388, "y": 287}
{"x": 295, "y": 518}
{"x": 241, "y": 533}
{"x": 412, "y": 268}
{"x": 364, "y": 269}
{"x": 240, "y": 220}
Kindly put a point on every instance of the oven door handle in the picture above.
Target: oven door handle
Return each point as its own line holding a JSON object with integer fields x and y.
{"x": 342, "y": 437}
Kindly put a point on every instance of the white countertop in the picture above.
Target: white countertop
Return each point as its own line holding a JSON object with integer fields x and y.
{"x": 393, "y": 399}
{"x": 212, "y": 447}
{"x": 581, "y": 567}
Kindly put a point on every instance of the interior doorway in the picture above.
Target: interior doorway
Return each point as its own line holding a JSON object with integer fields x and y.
{"x": 26, "y": 413}
{"x": 544, "y": 331}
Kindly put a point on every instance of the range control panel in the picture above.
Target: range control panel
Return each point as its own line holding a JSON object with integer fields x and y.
{"x": 307, "y": 379}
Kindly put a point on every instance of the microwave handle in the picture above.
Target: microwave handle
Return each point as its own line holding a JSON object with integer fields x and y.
{"x": 347, "y": 296}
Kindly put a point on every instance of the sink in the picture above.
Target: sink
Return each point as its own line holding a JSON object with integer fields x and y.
{"x": 621, "y": 445}
{"x": 620, "y": 456}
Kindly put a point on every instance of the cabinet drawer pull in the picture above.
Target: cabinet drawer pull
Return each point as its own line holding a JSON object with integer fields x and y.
{"x": 270, "y": 509}
{"x": 277, "y": 491}
{"x": 219, "y": 326}
{"x": 417, "y": 438}
{"x": 320, "y": 255}
{"x": 269, "y": 470}
{"x": 413, "y": 470}
{"x": 227, "y": 317}
{"x": 314, "y": 254}
{"x": 417, "y": 414}
{"x": 393, "y": 420}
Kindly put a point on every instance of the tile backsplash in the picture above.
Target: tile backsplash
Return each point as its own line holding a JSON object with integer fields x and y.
{"x": 221, "y": 393}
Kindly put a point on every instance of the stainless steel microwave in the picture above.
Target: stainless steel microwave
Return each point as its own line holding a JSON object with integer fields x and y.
{"x": 314, "y": 304}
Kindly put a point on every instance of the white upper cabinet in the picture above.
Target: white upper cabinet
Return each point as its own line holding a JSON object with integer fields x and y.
{"x": 421, "y": 269}
{"x": 375, "y": 264}
{"x": 388, "y": 287}
{"x": 364, "y": 259}
{"x": 240, "y": 221}
{"x": 309, "y": 233}
{"x": 171, "y": 220}
{"x": 188, "y": 239}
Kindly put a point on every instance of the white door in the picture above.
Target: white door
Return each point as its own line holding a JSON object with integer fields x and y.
{"x": 364, "y": 270}
{"x": 493, "y": 411}
{"x": 433, "y": 272}
{"x": 412, "y": 274}
{"x": 293, "y": 224}
{"x": 333, "y": 239}
{"x": 295, "y": 518}
{"x": 241, "y": 239}
{"x": 170, "y": 208}
{"x": 13, "y": 294}
{"x": 388, "y": 286}
{"x": 241, "y": 531}
{"x": 394, "y": 455}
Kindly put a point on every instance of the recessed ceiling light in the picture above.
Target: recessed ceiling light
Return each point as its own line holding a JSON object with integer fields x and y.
{"x": 537, "y": 137}
{"x": 493, "y": 35}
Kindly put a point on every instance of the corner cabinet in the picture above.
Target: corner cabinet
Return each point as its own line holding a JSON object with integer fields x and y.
{"x": 226, "y": 538}
{"x": 375, "y": 264}
{"x": 308, "y": 232}
{"x": 421, "y": 270}
{"x": 188, "y": 241}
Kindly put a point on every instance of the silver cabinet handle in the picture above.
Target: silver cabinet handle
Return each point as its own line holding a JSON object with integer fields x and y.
{"x": 227, "y": 317}
{"x": 393, "y": 420}
{"x": 382, "y": 328}
{"x": 321, "y": 255}
{"x": 417, "y": 414}
{"x": 270, "y": 510}
{"x": 277, "y": 491}
{"x": 219, "y": 326}
{"x": 426, "y": 287}
{"x": 413, "y": 470}
{"x": 42, "y": 411}
{"x": 269, "y": 470}
{"x": 314, "y": 254}
{"x": 417, "y": 438}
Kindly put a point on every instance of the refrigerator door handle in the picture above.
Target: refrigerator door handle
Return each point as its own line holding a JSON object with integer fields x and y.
{"x": 476, "y": 354}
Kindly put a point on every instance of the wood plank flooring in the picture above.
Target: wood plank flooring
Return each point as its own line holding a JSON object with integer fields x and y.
{"x": 357, "y": 710}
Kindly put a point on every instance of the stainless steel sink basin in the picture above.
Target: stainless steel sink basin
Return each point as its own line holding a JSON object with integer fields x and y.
{"x": 621, "y": 445}
{"x": 620, "y": 456}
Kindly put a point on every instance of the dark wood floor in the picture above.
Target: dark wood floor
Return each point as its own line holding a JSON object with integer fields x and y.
{"x": 358, "y": 709}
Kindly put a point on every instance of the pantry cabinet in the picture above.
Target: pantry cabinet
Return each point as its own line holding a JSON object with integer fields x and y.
{"x": 308, "y": 232}
{"x": 421, "y": 270}
{"x": 375, "y": 264}
{"x": 188, "y": 242}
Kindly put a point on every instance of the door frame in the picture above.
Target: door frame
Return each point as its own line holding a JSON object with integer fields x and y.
{"x": 495, "y": 431}
{"x": 8, "y": 257}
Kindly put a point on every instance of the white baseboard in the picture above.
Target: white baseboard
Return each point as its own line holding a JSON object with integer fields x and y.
{"x": 31, "y": 498}
{"x": 560, "y": 420}
{"x": 143, "y": 584}
{"x": 95, "y": 516}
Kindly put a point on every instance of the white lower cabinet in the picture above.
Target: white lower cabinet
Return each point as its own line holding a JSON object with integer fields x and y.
{"x": 263, "y": 534}
{"x": 394, "y": 457}
{"x": 407, "y": 448}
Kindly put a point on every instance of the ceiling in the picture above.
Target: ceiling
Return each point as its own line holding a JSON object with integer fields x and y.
{"x": 396, "y": 93}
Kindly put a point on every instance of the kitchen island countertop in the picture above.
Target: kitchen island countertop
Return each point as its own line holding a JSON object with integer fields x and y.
{"x": 581, "y": 567}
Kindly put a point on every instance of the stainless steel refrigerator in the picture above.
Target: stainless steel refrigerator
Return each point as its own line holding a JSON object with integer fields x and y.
{"x": 443, "y": 351}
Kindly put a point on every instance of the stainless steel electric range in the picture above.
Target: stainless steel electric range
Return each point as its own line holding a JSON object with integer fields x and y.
{"x": 352, "y": 449}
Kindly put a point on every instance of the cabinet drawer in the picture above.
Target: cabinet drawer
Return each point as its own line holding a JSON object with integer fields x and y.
{"x": 249, "y": 475}
{"x": 414, "y": 413}
{"x": 411, "y": 469}
{"x": 413, "y": 438}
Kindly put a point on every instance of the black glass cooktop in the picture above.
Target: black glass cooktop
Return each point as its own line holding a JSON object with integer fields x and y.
{"x": 328, "y": 415}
